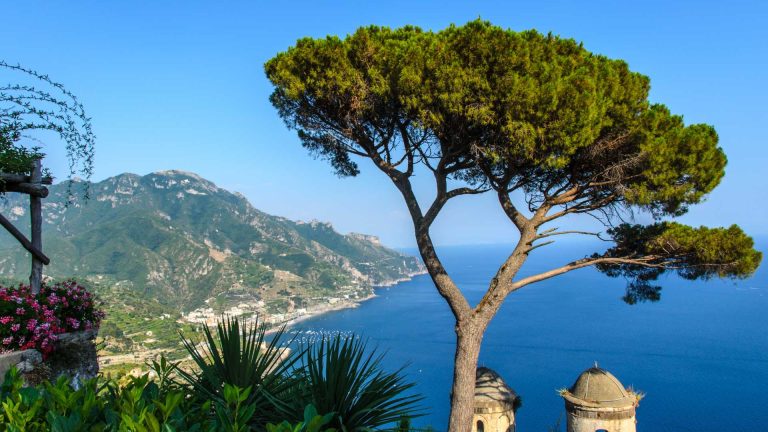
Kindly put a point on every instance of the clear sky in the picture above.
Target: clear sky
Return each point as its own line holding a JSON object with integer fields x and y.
{"x": 180, "y": 85}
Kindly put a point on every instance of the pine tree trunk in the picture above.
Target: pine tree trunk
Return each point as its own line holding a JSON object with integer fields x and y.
{"x": 468, "y": 340}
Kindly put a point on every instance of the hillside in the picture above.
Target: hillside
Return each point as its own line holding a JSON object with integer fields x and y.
{"x": 178, "y": 238}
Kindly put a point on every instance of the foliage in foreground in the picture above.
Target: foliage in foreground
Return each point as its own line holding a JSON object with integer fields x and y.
{"x": 239, "y": 355}
{"x": 343, "y": 377}
{"x": 242, "y": 382}
{"x": 340, "y": 377}
{"x": 138, "y": 404}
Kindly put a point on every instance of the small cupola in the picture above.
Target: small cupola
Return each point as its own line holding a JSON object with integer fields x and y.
{"x": 598, "y": 401}
{"x": 495, "y": 403}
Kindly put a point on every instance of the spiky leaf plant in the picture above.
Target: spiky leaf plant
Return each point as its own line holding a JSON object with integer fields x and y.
{"x": 343, "y": 377}
{"x": 240, "y": 355}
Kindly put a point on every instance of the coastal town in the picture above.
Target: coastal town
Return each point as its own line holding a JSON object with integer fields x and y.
{"x": 274, "y": 318}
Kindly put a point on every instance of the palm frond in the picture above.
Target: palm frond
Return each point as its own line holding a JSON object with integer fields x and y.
{"x": 239, "y": 354}
{"x": 344, "y": 378}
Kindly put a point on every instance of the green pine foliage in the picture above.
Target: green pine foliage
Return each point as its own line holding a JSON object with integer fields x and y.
{"x": 513, "y": 107}
{"x": 692, "y": 253}
{"x": 515, "y": 112}
{"x": 537, "y": 120}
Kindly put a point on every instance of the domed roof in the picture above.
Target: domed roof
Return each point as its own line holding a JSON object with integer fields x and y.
{"x": 489, "y": 387}
{"x": 597, "y": 386}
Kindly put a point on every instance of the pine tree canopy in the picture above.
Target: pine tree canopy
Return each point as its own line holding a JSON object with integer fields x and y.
{"x": 505, "y": 111}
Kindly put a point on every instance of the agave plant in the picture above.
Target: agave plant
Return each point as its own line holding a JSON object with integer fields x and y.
{"x": 344, "y": 378}
{"x": 240, "y": 355}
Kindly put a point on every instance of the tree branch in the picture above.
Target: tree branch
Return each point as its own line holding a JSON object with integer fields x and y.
{"x": 444, "y": 284}
{"x": 511, "y": 211}
{"x": 552, "y": 232}
{"x": 585, "y": 262}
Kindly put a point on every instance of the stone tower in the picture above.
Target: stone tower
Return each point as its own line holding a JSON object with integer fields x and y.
{"x": 598, "y": 402}
{"x": 495, "y": 403}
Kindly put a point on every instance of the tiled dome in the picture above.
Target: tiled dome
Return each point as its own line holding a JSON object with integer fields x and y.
{"x": 489, "y": 387}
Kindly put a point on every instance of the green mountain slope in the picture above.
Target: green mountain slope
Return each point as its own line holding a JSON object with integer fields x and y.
{"x": 178, "y": 238}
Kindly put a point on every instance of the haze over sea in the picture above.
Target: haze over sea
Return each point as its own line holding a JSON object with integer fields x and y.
{"x": 700, "y": 354}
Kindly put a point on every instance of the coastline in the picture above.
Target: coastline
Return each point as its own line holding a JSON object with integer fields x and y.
{"x": 393, "y": 282}
{"x": 349, "y": 304}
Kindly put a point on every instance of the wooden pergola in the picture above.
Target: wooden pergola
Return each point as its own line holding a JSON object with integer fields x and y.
{"x": 34, "y": 186}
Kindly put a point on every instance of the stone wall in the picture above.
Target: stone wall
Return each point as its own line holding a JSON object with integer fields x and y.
{"x": 74, "y": 356}
{"x": 580, "y": 424}
{"x": 25, "y": 361}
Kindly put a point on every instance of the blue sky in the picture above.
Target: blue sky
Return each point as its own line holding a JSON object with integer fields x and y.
{"x": 180, "y": 85}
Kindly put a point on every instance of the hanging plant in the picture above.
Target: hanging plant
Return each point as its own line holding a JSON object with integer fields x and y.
{"x": 49, "y": 106}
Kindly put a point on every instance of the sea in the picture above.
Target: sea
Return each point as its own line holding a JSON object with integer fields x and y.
{"x": 699, "y": 354}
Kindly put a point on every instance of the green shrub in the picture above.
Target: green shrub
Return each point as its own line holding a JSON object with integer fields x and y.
{"x": 100, "y": 405}
{"x": 313, "y": 422}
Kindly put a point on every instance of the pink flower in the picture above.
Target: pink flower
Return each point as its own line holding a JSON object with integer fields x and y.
{"x": 61, "y": 307}
{"x": 31, "y": 324}
{"x": 75, "y": 324}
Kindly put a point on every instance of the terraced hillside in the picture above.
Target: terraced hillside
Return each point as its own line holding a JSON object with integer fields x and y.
{"x": 178, "y": 238}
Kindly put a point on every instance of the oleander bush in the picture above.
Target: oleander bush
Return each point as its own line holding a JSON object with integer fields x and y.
{"x": 33, "y": 321}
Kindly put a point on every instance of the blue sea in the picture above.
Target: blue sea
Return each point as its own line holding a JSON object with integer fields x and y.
{"x": 700, "y": 354}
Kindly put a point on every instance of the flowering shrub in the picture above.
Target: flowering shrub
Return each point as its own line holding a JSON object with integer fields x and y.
{"x": 33, "y": 321}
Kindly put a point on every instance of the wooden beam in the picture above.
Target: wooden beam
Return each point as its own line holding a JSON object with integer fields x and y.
{"x": 21, "y": 178}
{"x": 33, "y": 189}
{"x": 23, "y": 240}
{"x": 36, "y": 228}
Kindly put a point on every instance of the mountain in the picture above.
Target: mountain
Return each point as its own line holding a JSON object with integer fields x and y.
{"x": 179, "y": 238}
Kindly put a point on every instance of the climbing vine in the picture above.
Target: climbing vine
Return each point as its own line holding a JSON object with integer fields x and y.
{"x": 45, "y": 105}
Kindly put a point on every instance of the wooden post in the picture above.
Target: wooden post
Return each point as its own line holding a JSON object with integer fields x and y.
{"x": 36, "y": 214}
